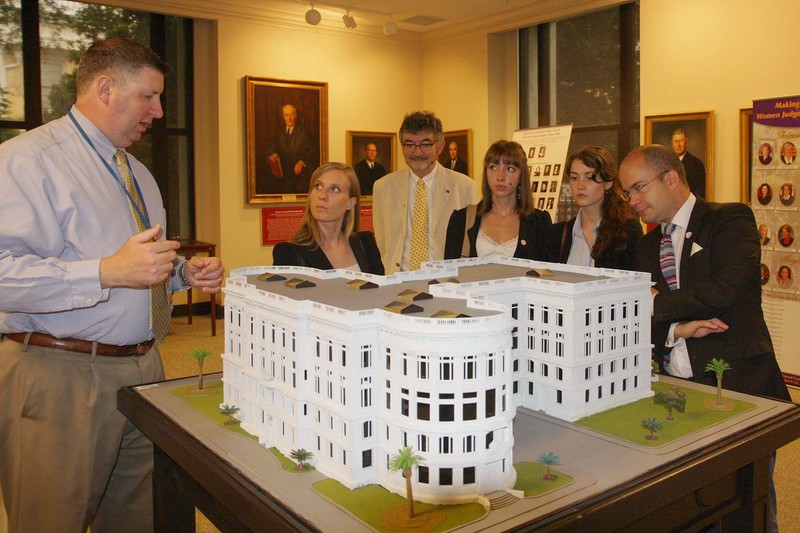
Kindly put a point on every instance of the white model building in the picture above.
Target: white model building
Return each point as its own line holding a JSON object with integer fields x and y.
{"x": 353, "y": 367}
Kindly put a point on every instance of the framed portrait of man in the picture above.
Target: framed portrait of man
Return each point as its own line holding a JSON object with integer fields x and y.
{"x": 457, "y": 152}
{"x": 372, "y": 154}
{"x": 287, "y": 137}
{"x": 691, "y": 137}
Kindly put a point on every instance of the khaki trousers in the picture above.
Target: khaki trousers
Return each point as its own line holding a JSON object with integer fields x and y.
{"x": 68, "y": 458}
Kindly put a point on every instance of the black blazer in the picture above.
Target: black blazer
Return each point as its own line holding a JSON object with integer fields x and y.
{"x": 695, "y": 174}
{"x": 363, "y": 244}
{"x": 622, "y": 261}
{"x": 531, "y": 243}
{"x": 719, "y": 278}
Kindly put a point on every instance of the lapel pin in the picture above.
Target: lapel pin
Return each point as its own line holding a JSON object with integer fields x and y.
{"x": 688, "y": 234}
{"x": 523, "y": 242}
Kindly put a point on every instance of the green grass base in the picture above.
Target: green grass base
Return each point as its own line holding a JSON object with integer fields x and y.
{"x": 371, "y": 502}
{"x": 530, "y": 479}
{"x": 625, "y": 422}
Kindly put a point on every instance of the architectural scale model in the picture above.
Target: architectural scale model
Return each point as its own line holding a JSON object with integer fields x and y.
{"x": 353, "y": 366}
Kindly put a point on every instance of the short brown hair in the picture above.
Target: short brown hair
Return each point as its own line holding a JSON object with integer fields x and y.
{"x": 118, "y": 57}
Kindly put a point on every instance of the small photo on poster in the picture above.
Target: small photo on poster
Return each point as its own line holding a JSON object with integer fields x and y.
{"x": 764, "y": 194}
{"x": 786, "y": 195}
{"x": 766, "y": 153}
{"x": 786, "y": 235}
{"x": 784, "y": 277}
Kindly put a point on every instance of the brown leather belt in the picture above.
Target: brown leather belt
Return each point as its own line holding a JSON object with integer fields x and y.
{"x": 76, "y": 345}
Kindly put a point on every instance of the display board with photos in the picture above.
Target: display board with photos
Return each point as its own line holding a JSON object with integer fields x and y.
{"x": 775, "y": 178}
{"x": 546, "y": 149}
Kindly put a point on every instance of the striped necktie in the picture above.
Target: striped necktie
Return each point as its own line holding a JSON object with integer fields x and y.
{"x": 419, "y": 227}
{"x": 160, "y": 311}
{"x": 667, "y": 257}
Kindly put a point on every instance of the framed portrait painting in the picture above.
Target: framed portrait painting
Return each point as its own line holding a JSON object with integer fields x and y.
{"x": 457, "y": 152}
{"x": 691, "y": 137}
{"x": 372, "y": 154}
{"x": 287, "y": 137}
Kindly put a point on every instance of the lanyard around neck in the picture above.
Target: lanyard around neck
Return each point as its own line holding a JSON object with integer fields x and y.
{"x": 142, "y": 215}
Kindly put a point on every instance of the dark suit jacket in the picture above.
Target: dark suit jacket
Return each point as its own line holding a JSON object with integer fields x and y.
{"x": 719, "y": 277}
{"x": 532, "y": 234}
{"x": 364, "y": 248}
{"x": 461, "y": 165}
{"x": 623, "y": 260}
{"x": 367, "y": 176}
{"x": 695, "y": 174}
{"x": 291, "y": 149}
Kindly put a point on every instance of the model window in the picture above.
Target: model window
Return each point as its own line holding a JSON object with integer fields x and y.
{"x": 445, "y": 476}
{"x": 446, "y": 413}
{"x": 469, "y": 475}
{"x": 470, "y": 411}
{"x": 366, "y": 458}
{"x": 423, "y": 411}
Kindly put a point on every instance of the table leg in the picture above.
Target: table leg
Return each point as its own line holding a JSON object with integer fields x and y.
{"x": 173, "y": 512}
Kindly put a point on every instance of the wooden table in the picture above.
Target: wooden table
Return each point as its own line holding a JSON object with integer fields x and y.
{"x": 189, "y": 248}
{"x": 200, "y": 464}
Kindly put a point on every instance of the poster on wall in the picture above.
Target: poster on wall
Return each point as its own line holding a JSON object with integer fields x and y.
{"x": 546, "y": 149}
{"x": 775, "y": 178}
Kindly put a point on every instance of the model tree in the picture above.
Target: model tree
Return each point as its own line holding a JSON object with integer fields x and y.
{"x": 231, "y": 411}
{"x": 302, "y": 456}
{"x": 549, "y": 459}
{"x": 405, "y": 460}
{"x": 200, "y": 354}
{"x": 653, "y": 425}
{"x": 718, "y": 367}
{"x": 674, "y": 400}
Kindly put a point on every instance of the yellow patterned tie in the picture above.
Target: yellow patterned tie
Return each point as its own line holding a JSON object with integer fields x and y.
{"x": 160, "y": 313}
{"x": 419, "y": 227}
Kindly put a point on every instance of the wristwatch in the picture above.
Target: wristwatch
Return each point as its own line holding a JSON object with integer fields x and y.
{"x": 183, "y": 276}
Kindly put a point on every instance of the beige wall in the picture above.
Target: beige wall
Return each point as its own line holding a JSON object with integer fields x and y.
{"x": 717, "y": 55}
{"x": 371, "y": 83}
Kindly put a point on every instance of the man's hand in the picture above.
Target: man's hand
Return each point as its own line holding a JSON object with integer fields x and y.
{"x": 298, "y": 168}
{"x": 699, "y": 328}
{"x": 142, "y": 261}
{"x": 273, "y": 157}
{"x": 205, "y": 273}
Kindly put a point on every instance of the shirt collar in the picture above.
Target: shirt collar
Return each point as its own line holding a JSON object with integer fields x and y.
{"x": 681, "y": 218}
{"x": 101, "y": 142}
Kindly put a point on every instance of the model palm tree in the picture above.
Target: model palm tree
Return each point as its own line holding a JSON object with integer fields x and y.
{"x": 653, "y": 425}
{"x": 301, "y": 456}
{"x": 405, "y": 461}
{"x": 549, "y": 459}
{"x": 200, "y": 354}
{"x": 229, "y": 410}
{"x": 718, "y": 367}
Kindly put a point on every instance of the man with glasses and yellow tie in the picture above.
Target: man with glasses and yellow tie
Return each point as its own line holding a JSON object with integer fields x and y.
{"x": 705, "y": 262}
{"x": 412, "y": 207}
{"x": 85, "y": 277}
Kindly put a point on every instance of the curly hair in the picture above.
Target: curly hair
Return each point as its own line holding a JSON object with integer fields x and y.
{"x": 509, "y": 153}
{"x": 422, "y": 122}
{"x": 309, "y": 233}
{"x": 612, "y": 234}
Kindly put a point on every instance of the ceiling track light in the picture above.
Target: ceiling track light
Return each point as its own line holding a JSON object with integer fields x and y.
{"x": 313, "y": 16}
{"x": 390, "y": 28}
{"x": 349, "y": 21}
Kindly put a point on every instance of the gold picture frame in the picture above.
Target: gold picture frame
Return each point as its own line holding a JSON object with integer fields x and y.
{"x": 699, "y": 130}
{"x": 281, "y": 156}
{"x": 745, "y": 154}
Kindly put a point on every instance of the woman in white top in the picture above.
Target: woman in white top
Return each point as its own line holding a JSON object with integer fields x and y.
{"x": 605, "y": 231}
{"x": 504, "y": 221}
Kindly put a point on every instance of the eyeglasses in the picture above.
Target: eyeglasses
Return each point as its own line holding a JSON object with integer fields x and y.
{"x": 425, "y": 146}
{"x": 637, "y": 189}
